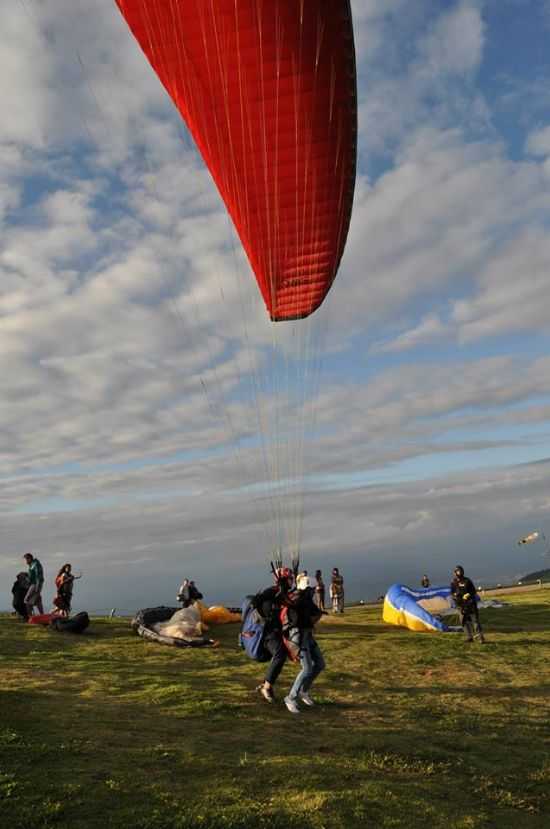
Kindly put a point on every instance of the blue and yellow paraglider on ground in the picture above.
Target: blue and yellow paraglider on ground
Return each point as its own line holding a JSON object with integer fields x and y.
{"x": 418, "y": 610}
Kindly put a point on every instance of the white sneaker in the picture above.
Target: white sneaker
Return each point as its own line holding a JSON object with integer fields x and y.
{"x": 292, "y": 705}
{"x": 306, "y": 699}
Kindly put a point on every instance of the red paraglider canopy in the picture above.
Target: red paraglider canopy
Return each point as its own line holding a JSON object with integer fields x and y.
{"x": 268, "y": 90}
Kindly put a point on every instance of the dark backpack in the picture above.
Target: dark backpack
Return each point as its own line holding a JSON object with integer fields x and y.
{"x": 251, "y": 637}
{"x": 75, "y": 624}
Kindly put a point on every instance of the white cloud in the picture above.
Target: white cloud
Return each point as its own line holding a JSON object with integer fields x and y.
{"x": 538, "y": 142}
{"x": 429, "y": 330}
{"x": 431, "y": 229}
{"x": 424, "y": 73}
{"x": 514, "y": 290}
{"x": 10, "y": 197}
{"x": 454, "y": 46}
{"x": 25, "y": 81}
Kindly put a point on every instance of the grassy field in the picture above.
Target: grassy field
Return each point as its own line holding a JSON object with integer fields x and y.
{"x": 412, "y": 730}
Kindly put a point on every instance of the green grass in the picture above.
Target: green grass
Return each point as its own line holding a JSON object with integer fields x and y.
{"x": 106, "y": 730}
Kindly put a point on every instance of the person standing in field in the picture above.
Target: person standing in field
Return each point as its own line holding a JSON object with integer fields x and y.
{"x": 464, "y": 593}
{"x": 64, "y": 583}
{"x": 319, "y": 590}
{"x": 33, "y": 595}
{"x": 188, "y": 593}
{"x": 302, "y": 579}
{"x": 337, "y": 591}
{"x": 425, "y": 581}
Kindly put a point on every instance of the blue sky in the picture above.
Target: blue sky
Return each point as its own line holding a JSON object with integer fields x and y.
{"x": 141, "y": 384}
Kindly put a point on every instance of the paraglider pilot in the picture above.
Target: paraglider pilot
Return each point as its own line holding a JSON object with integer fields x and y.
{"x": 464, "y": 594}
{"x": 268, "y": 604}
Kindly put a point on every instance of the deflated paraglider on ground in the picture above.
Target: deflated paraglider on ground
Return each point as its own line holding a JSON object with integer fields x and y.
{"x": 171, "y": 626}
{"x": 184, "y": 627}
{"x": 218, "y": 615}
{"x": 418, "y": 609}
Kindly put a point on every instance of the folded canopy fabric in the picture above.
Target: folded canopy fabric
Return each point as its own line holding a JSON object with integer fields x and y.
{"x": 415, "y": 609}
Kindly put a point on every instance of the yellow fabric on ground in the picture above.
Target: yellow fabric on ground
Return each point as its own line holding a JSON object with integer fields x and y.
{"x": 217, "y": 615}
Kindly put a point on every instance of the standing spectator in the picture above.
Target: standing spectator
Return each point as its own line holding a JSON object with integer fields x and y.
{"x": 183, "y": 592}
{"x": 337, "y": 591}
{"x": 425, "y": 582}
{"x": 19, "y": 591}
{"x": 188, "y": 593}
{"x": 33, "y": 595}
{"x": 302, "y": 580}
{"x": 64, "y": 582}
{"x": 464, "y": 594}
{"x": 319, "y": 597}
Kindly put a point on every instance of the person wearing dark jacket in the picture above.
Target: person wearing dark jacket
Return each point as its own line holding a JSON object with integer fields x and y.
{"x": 268, "y": 603}
{"x": 19, "y": 591}
{"x": 464, "y": 593}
